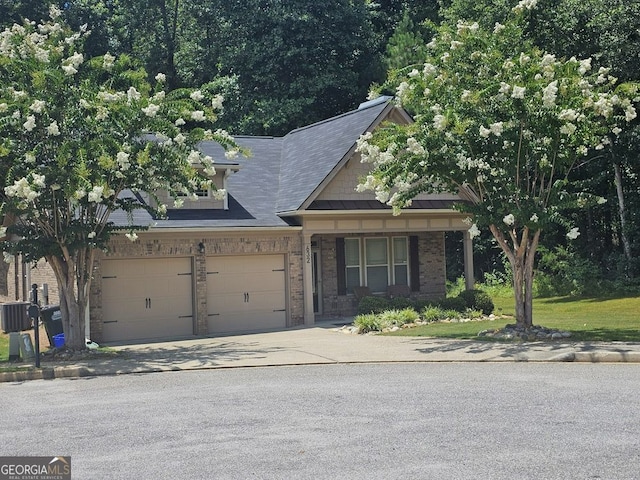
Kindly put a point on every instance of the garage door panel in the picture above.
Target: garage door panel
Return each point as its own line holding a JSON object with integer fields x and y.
{"x": 246, "y": 292}
{"x": 147, "y": 298}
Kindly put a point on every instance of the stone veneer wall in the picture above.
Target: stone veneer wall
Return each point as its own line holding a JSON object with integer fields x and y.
{"x": 432, "y": 271}
{"x": 187, "y": 246}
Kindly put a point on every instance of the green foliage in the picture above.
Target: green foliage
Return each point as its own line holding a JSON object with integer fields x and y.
{"x": 562, "y": 271}
{"x": 457, "y": 304}
{"x": 433, "y": 314}
{"x": 372, "y": 322}
{"x": 367, "y": 322}
{"x": 400, "y": 303}
{"x": 477, "y": 300}
{"x": 372, "y": 304}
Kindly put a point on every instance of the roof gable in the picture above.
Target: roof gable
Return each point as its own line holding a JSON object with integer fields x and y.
{"x": 312, "y": 153}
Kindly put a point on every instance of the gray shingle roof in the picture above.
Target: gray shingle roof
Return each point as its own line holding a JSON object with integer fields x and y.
{"x": 311, "y": 153}
{"x": 281, "y": 174}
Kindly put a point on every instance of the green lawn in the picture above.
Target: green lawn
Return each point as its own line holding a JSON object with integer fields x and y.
{"x": 607, "y": 319}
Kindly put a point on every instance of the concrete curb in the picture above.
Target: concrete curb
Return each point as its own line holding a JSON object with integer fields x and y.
{"x": 74, "y": 371}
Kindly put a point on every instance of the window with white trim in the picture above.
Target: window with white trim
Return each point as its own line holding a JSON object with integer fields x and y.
{"x": 376, "y": 262}
{"x": 400, "y": 261}
{"x": 352, "y": 263}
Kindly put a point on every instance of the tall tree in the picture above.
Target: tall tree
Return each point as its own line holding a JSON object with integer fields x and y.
{"x": 504, "y": 122}
{"x": 607, "y": 31}
{"x": 75, "y": 146}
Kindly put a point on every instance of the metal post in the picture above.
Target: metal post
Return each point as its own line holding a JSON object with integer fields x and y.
{"x": 34, "y": 313}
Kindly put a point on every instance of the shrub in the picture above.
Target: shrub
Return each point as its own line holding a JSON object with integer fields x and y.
{"x": 374, "y": 322}
{"x": 373, "y": 305}
{"x": 433, "y": 314}
{"x": 477, "y": 300}
{"x": 400, "y": 303}
{"x": 452, "y": 314}
{"x": 453, "y": 303}
{"x": 367, "y": 323}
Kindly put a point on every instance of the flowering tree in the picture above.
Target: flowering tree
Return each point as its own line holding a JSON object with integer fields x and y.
{"x": 505, "y": 123}
{"x": 81, "y": 138}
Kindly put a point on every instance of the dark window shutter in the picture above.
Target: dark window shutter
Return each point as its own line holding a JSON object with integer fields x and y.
{"x": 341, "y": 266}
{"x": 414, "y": 263}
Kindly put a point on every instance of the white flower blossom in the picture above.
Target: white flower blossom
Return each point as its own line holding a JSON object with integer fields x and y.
{"x": 440, "y": 122}
{"x": 8, "y": 258}
{"x": 498, "y": 27}
{"x": 525, "y": 4}
{"x": 413, "y": 146}
{"x": 549, "y": 94}
{"x": 198, "y": 116}
{"x": 509, "y": 219}
{"x": 178, "y": 203}
{"x": 30, "y": 124}
{"x": 585, "y": 66}
{"x": 429, "y": 69}
{"x": 194, "y": 157}
{"x": 95, "y": 195}
{"x": 568, "y": 129}
{"x": 131, "y": 236}
{"x": 484, "y": 132}
{"x": 573, "y": 233}
{"x": 474, "y": 231}
{"x": 216, "y": 102}
{"x": 179, "y": 122}
{"x": 53, "y": 129}
{"x": 91, "y": 235}
{"x": 497, "y": 128}
{"x": 231, "y": 154}
{"x": 123, "y": 160}
{"x": 108, "y": 61}
{"x": 534, "y": 218}
{"x": 180, "y": 139}
{"x": 616, "y": 130}
{"x": 133, "y": 94}
{"x": 196, "y": 95}
{"x": 29, "y": 157}
{"x": 161, "y": 78}
{"x": 568, "y": 115}
{"x": 151, "y": 110}
{"x": 630, "y": 113}
{"x": 37, "y": 106}
{"x": 69, "y": 70}
{"x": 518, "y": 92}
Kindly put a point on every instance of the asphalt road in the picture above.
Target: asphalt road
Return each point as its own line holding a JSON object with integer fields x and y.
{"x": 393, "y": 421}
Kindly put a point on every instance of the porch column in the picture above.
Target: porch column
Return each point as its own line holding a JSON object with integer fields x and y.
{"x": 468, "y": 260}
{"x": 307, "y": 278}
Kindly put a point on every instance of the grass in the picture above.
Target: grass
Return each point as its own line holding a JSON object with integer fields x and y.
{"x": 588, "y": 319}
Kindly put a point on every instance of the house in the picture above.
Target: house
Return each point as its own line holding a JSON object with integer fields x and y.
{"x": 285, "y": 247}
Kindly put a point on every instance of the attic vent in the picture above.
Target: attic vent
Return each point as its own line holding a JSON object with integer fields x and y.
{"x": 14, "y": 317}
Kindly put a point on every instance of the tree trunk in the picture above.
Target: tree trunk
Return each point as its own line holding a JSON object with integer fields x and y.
{"x": 521, "y": 257}
{"x": 626, "y": 245}
{"x": 73, "y": 274}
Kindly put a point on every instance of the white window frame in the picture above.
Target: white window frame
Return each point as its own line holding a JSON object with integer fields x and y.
{"x": 347, "y": 265}
{"x": 393, "y": 258}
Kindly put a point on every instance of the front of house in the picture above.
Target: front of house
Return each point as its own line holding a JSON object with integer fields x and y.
{"x": 286, "y": 246}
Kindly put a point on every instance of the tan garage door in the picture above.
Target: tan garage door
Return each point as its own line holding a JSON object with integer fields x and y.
{"x": 246, "y": 292}
{"x": 147, "y": 299}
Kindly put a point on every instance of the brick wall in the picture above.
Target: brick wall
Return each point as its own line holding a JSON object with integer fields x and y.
{"x": 17, "y": 278}
{"x": 432, "y": 272}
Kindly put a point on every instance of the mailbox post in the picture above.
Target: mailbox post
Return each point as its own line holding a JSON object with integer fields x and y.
{"x": 34, "y": 314}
